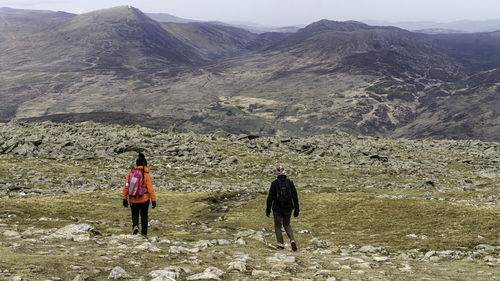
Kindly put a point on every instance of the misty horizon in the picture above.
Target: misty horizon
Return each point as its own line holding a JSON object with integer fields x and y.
{"x": 280, "y": 13}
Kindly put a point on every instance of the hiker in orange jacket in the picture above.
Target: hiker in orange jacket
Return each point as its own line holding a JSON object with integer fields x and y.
{"x": 140, "y": 204}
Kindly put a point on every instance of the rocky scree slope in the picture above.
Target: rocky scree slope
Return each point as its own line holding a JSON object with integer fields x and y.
{"x": 50, "y": 158}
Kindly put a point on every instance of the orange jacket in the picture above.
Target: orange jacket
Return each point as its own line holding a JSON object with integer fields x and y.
{"x": 147, "y": 184}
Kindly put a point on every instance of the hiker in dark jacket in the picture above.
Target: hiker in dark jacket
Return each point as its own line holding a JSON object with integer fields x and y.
{"x": 282, "y": 199}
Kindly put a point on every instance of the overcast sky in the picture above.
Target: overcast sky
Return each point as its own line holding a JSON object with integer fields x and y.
{"x": 287, "y": 12}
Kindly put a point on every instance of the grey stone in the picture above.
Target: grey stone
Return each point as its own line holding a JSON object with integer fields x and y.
{"x": 78, "y": 278}
{"x": 223, "y": 242}
{"x": 117, "y": 273}
{"x": 147, "y": 246}
{"x": 257, "y": 273}
{"x": 485, "y": 247}
{"x": 163, "y": 273}
{"x": 240, "y": 242}
{"x": 430, "y": 254}
{"x": 323, "y": 244}
{"x": 237, "y": 266}
{"x": 11, "y": 234}
{"x": 368, "y": 249}
{"x": 380, "y": 259}
{"x": 203, "y": 276}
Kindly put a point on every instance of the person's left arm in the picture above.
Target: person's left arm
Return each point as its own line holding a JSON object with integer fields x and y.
{"x": 295, "y": 199}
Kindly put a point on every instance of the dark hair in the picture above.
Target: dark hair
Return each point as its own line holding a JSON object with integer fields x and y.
{"x": 141, "y": 160}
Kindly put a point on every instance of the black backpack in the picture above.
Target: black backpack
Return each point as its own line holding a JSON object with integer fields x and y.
{"x": 283, "y": 192}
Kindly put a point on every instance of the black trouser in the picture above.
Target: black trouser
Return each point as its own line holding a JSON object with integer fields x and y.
{"x": 279, "y": 219}
{"x": 143, "y": 209}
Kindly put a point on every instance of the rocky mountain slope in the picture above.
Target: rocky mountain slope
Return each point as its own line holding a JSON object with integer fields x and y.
{"x": 371, "y": 208}
{"x": 118, "y": 38}
{"x": 327, "y": 77}
{"x": 216, "y": 41}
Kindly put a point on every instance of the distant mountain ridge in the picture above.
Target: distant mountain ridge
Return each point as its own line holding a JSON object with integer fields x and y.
{"x": 165, "y": 17}
{"x": 327, "y": 77}
{"x": 470, "y": 26}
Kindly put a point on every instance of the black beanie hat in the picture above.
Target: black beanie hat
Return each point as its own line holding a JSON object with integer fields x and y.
{"x": 141, "y": 160}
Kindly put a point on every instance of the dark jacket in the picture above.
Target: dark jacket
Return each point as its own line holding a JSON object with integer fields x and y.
{"x": 272, "y": 200}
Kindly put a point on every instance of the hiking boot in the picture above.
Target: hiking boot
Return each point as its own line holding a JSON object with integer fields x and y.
{"x": 294, "y": 246}
{"x": 280, "y": 247}
{"x": 145, "y": 236}
{"x": 135, "y": 230}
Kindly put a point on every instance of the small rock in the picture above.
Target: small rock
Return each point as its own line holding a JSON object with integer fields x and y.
{"x": 256, "y": 272}
{"x": 324, "y": 273}
{"x": 368, "y": 249}
{"x": 345, "y": 267}
{"x": 365, "y": 265}
{"x": 380, "y": 259}
{"x": 237, "y": 266}
{"x": 279, "y": 266}
{"x": 231, "y": 160}
{"x": 75, "y": 267}
{"x": 323, "y": 244}
{"x": 162, "y": 278}
{"x": 430, "y": 254}
{"x": 117, "y": 273}
{"x": 78, "y": 278}
{"x": 484, "y": 247}
{"x": 214, "y": 270}
{"x": 11, "y": 234}
{"x": 223, "y": 242}
{"x": 146, "y": 246}
{"x": 203, "y": 276}
{"x": 490, "y": 259}
{"x": 163, "y": 273}
{"x": 435, "y": 258}
{"x": 240, "y": 242}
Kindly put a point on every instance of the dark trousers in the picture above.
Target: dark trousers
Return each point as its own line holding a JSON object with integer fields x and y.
{"x": 141, "y": 208}
{"x": 282, "y": 219}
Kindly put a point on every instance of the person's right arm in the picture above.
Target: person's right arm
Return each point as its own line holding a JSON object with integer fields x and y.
{"x": 270, "y": 200}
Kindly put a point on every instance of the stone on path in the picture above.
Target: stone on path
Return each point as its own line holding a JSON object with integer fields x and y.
{"x": 146, "y": 246}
